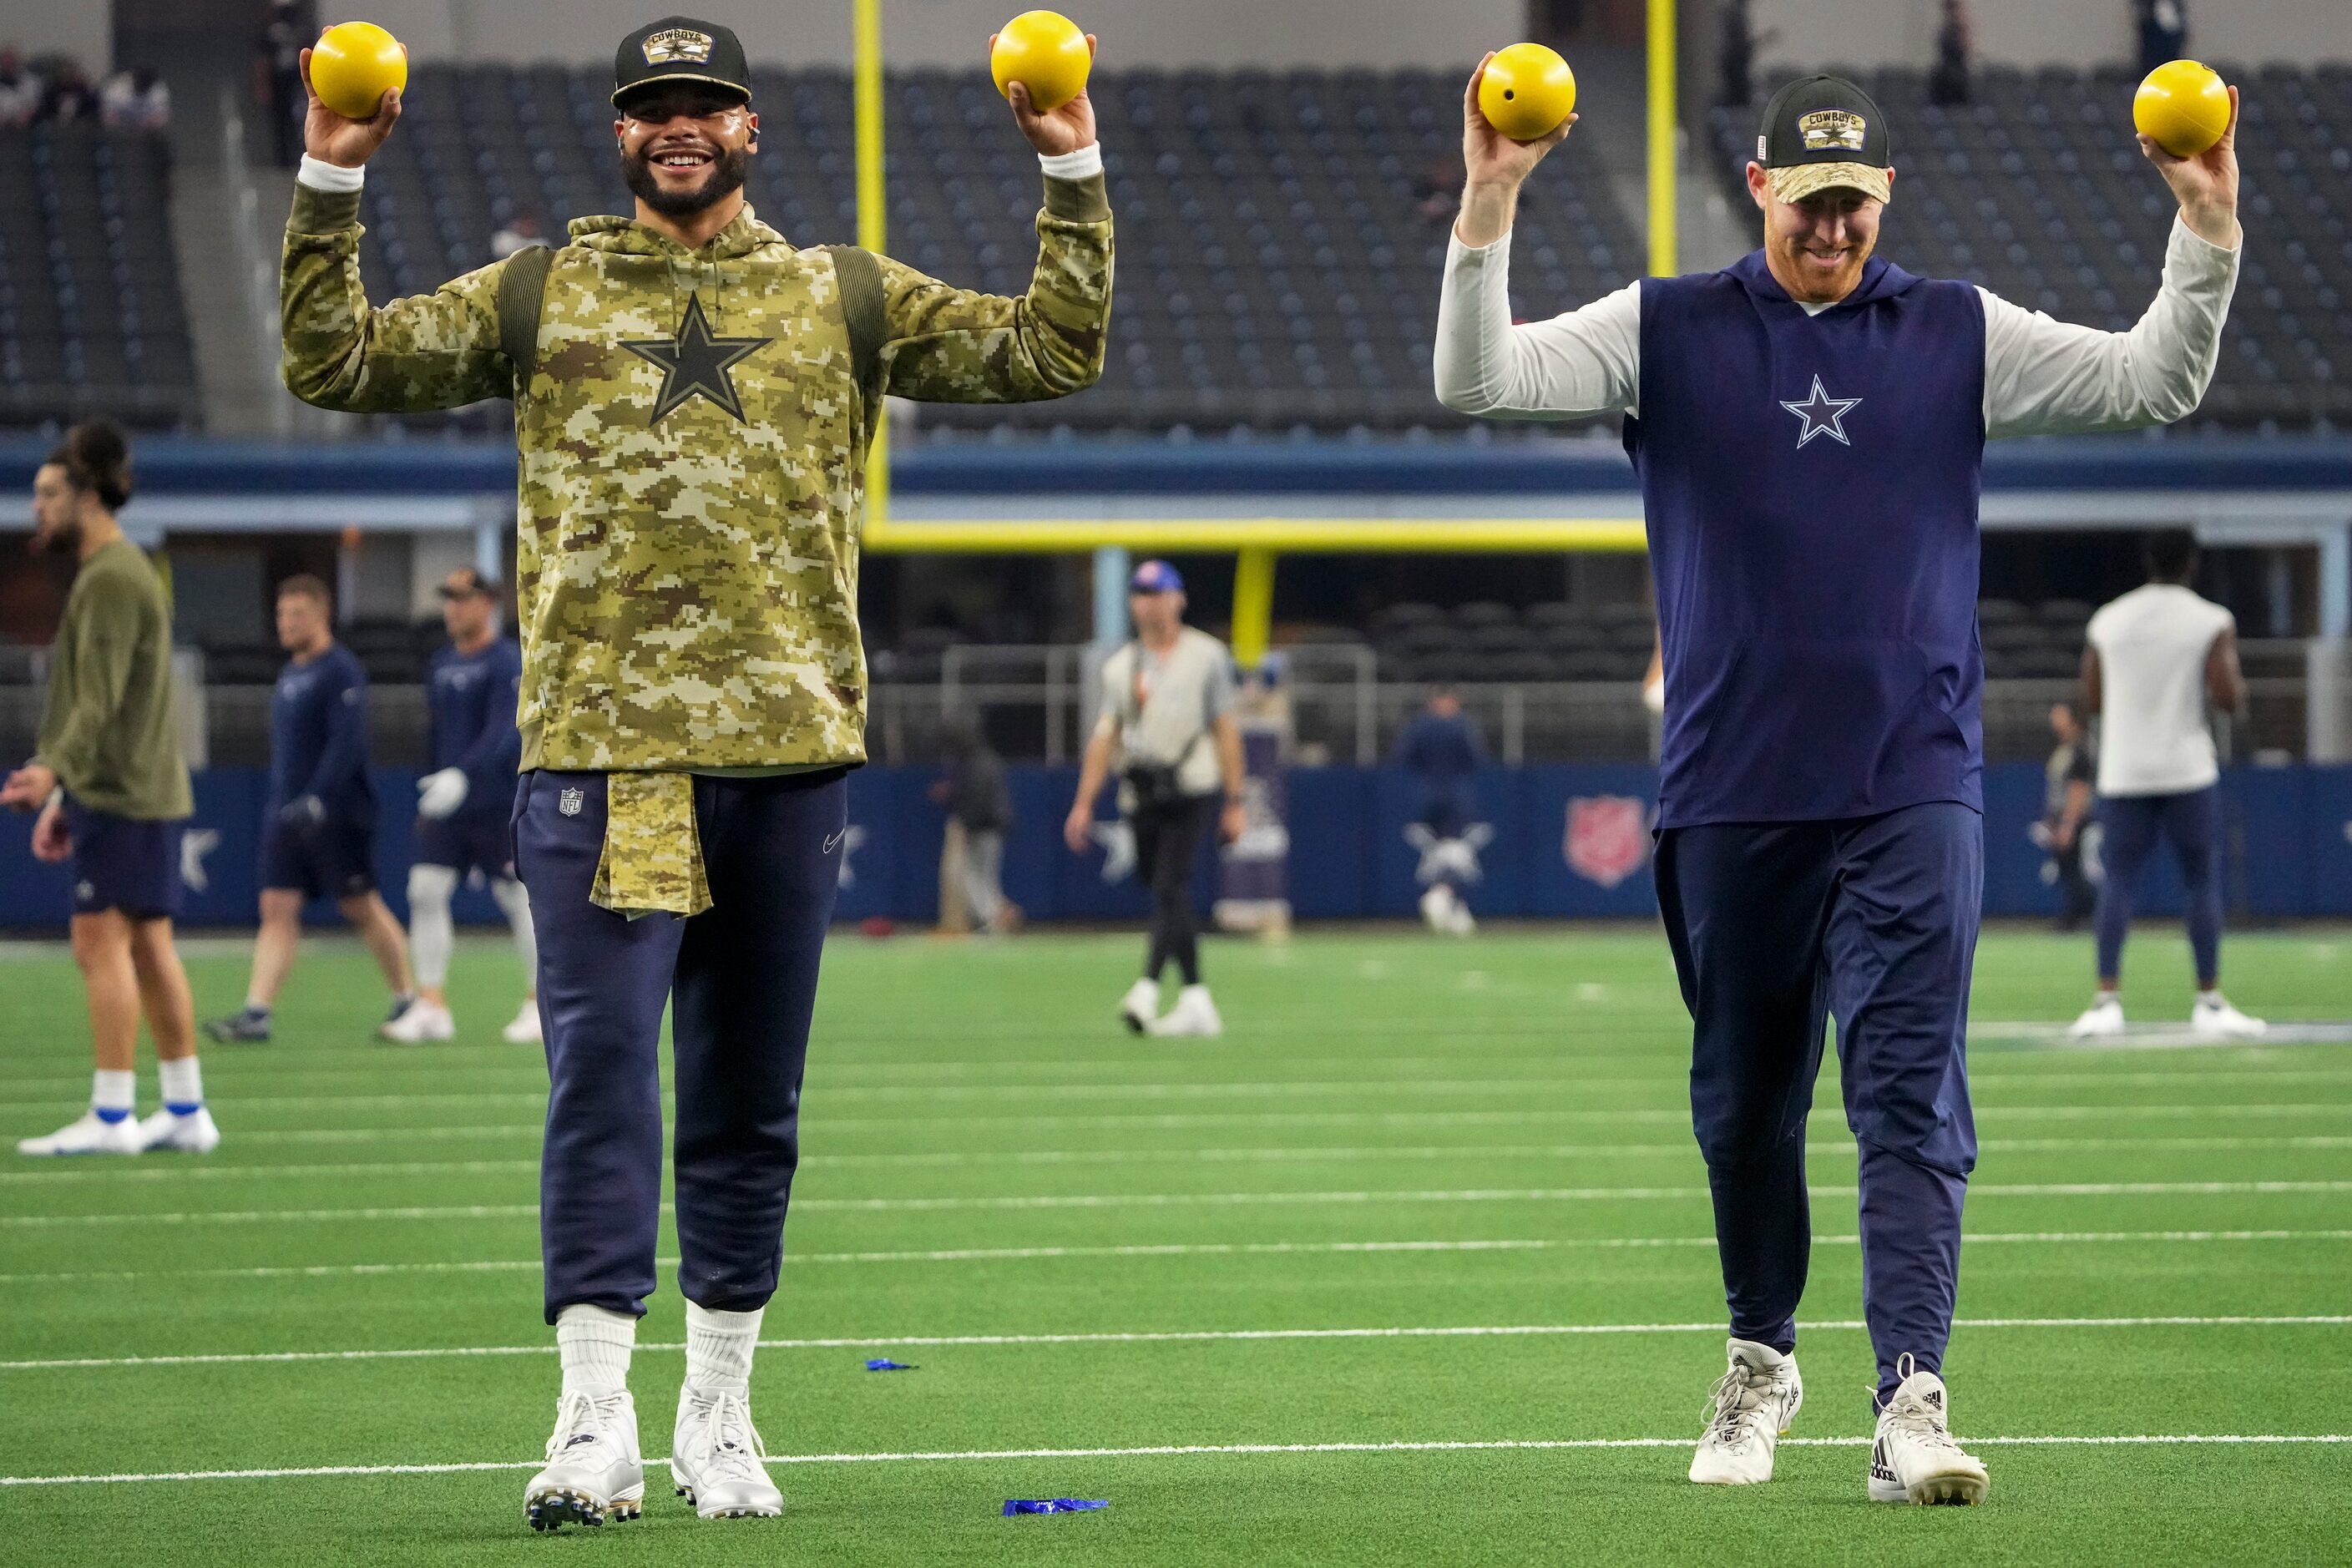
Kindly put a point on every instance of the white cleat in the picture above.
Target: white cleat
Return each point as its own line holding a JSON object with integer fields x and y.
{"x": 2104, "y": 1020}
{"x": 1141, "y": 1007}
{"x": 194, "y": 1134}
{"x": 421, "y": 1021}
{"x": 89, "y": 1135}
{"x": 2217, "y": 1020}
{"x": 716, "y": 1457}
{"x": 1193, "y": 1014}
{"x": 1914, "y": 1459}
{"x": 1752, "y": 1408}
{"x": 524, "y": 1030}
{"x": 594, "y": 1472}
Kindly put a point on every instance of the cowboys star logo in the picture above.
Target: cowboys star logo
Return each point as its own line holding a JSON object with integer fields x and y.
{"x": 1821, "y": 414}
{"x": 675, "y": 44}
{"x": 695, "y": 363}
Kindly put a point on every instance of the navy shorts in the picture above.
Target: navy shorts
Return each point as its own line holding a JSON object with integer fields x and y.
{"x": 465, "y": 841}
{"x": 332, "y": 860}
{"x": 122, "y": 863}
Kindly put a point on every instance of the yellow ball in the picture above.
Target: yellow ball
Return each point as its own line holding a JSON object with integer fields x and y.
{"x": 1527, "y": 91}
{"x": 353, "y": 65}
{"x": 2183, "y": 107}
{"x": 1044, "y": 52}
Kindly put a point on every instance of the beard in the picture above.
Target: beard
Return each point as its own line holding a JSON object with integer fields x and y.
{"x": 63, "y": 539}
{"x": 724, "y": 179}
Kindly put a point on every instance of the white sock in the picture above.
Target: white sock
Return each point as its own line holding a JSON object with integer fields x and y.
{"x": 113, "y": 1095}
{"x": 2210, "y": 998}
{"x": 516, "y": 905}
{"x": 719, "y": 1346}
{"x": 594, "y": 1344}
{"x": 431, "y": 935}
{"x": 183, "y": 1085}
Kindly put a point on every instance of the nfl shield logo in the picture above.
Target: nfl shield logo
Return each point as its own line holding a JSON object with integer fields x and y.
{"x": 1608, "y": 837}
{"x": 570, "y": 800}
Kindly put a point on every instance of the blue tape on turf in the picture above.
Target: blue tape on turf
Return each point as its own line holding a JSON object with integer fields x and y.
{"x": 1051, "y": 1505}
{"x": 886, "y": 1365}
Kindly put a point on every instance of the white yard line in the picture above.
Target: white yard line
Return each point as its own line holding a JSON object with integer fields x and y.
{"x": 1158, "y": 1200}
{"x": 76, "y": 1171}
{"x": 1187, "y": 1451}
{"x": 1140, "y": 1337}
{"x": 1171, "y": 1250}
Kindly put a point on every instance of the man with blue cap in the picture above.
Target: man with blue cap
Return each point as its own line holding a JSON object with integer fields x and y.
{"x": 1808, "y": 426}
{"x": 1166, "y": 719}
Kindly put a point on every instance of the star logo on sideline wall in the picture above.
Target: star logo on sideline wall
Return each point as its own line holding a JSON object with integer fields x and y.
{"x": 696, "y": 362}
{"x": 1822, "y": 413}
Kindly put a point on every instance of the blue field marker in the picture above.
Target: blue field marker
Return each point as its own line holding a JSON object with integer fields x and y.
{"x": 1051, "y": 1505}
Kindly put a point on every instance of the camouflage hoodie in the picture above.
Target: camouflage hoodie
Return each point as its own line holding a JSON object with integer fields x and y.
{"x": 693, "y": 442}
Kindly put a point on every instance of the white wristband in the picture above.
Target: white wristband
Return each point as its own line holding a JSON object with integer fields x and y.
{"x": 332, "y": 178}
{"x": 1083, "y": 164}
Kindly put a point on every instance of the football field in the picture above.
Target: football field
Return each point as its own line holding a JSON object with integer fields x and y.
{"x": 1414, "y": 1266}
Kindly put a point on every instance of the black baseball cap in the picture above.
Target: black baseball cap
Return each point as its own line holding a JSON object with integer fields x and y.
{"x": 1821, "y": 132}
{"x": 467, "y": 583}
{"x": 680, "y": 48}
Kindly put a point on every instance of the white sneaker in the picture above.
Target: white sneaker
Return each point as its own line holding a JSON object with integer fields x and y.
{"x": 2217, "y": 1020}
{"x": 1753, "y": 1405}
{"x": 524, "y": 1030}
{"x": 88, "y": 1136}
{"x": 1914, "y": 1459}
{"x": 716, "y": 1454}
{"x": 1141, "y": 1007}
{"x": 420, "y": 1021}
{"x": 194, "y": 1134}
{"x": 1193, "y": 1014}
{"x": 2103, "y": 1019}
{"x": 594, "y": 1471}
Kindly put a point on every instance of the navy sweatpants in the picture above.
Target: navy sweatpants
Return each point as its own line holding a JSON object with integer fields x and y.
{"x": 740, "y": 978}
{"x": 2129, "y": 827}
{"x": 1775, "y": 926}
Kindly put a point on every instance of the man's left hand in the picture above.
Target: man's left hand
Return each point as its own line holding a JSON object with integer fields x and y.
{"x": 52, "y": 835}
{"x": 1232, "y": 821}
{"x": 1056, "y": 131}
{"x": 2206, "y": 185}
{"x": 29, "y": 787}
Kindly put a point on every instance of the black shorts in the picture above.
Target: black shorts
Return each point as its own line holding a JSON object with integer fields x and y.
{"x": 331, "y": 860}
{"x": 122, "y": 863}
{"x": 470, "y": 840}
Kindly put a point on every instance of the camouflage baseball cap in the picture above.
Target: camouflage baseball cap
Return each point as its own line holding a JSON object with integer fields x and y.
{"x": 1821, "y": 132}
{"x": 681, "y": 49}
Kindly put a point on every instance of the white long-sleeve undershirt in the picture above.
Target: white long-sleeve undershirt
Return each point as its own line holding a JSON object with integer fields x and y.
{"x": 2043, "y": 376}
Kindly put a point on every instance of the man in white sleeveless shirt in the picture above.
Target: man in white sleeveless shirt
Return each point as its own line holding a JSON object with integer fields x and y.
{"x": 2156, "y": 658}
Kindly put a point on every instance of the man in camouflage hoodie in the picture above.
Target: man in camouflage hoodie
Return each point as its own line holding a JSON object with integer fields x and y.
{"x": 694, "y": 396}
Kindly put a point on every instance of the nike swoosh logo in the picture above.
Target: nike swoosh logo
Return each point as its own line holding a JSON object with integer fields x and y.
{"x": 834, "y": 840}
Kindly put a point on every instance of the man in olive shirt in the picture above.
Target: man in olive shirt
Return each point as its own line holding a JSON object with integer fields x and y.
{"x": 112, "y": 792}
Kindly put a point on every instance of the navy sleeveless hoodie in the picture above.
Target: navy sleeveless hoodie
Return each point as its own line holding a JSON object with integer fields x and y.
{"x": 1810, "y": 484}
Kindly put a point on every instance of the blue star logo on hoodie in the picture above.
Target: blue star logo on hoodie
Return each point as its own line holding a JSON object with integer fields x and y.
{"x": 1821, "y": 414}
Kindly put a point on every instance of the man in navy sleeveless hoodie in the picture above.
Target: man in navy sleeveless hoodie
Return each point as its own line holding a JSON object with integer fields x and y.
{"x": 1808, "y": 426}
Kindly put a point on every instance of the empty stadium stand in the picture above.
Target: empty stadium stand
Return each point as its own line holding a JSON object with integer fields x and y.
{"x": 1280, "y": 236}
{"x": 2038, "y": 191}
{"x": 91, "y": 320}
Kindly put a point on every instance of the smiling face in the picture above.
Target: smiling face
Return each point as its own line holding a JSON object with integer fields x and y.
{"x": 684, "y": 147}
{"x": 1816, "y": 248}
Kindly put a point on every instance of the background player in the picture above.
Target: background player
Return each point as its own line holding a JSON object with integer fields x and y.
{"x": 1168, "y": 724}
{"x": 2156, "y": 656}
{"x": 464, "y": 803}
{"x": 1808, "y": 426}
{"x": 318, "y": 839}
{"x": 694, "y": 687}
{"x": 113, "y": 791}
{"x": 1442, "y": 751}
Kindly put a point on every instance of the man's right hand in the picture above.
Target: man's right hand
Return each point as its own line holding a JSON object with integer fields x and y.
{"x": 346, "y": 143}
{"x": 52, "y": 835}
{"x": 303, "y": 812}
{"x": 1496, "y": 167}
{"x": 1078, "y": 831}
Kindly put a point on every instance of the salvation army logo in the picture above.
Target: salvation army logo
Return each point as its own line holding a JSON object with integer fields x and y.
{"x": 1608, "y": 837}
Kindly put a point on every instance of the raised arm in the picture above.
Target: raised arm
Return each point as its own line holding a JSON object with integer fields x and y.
{"x": 430, "y": 351}
{"x": 2048, "y": 377}
{"x": 955, "y": 346}
{"x": 1586, "y": 362}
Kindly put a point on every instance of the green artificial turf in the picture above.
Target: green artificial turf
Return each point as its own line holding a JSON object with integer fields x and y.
{"x": 1525, "y": 1089}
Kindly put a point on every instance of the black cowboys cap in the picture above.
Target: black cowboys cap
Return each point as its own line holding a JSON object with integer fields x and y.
{"x": 1823, "y": 131}
{"x": 679, "y": 48}
{"x": 467, "y": 582}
